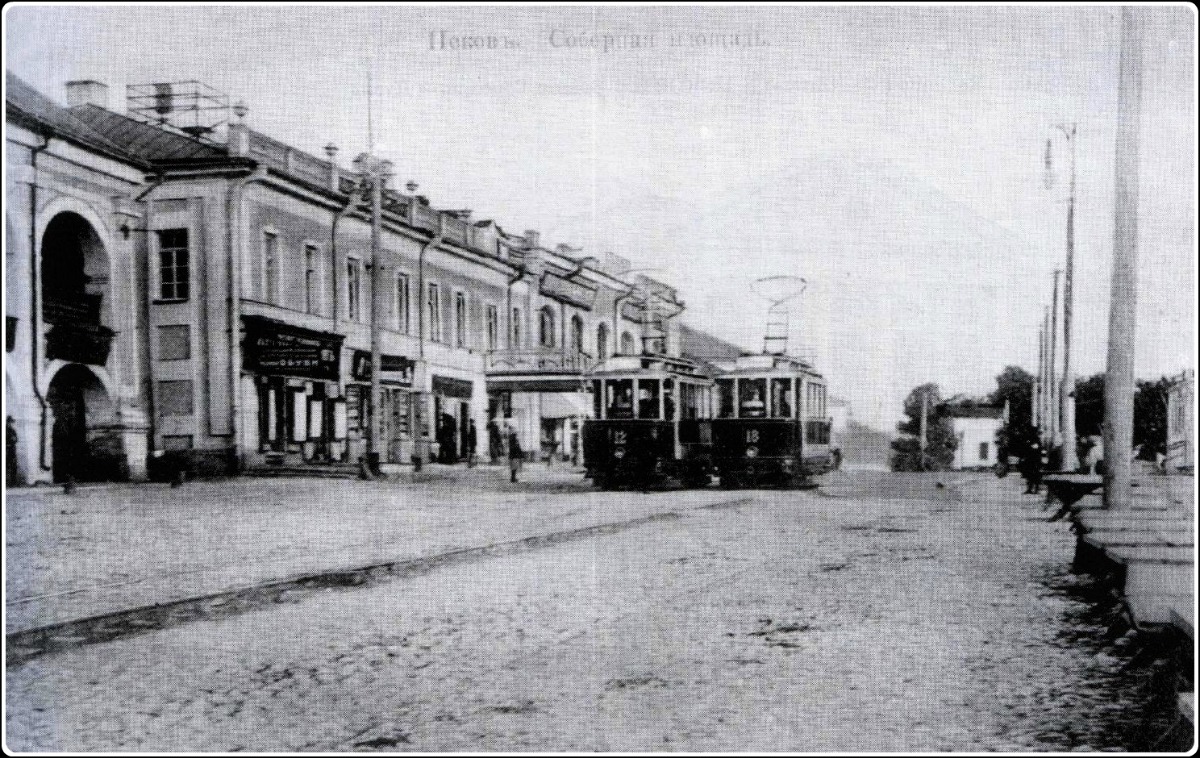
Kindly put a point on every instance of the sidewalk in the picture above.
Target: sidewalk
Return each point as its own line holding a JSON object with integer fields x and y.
{"x": 114, "y": 547}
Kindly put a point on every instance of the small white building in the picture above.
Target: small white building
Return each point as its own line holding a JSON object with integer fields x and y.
{"x": 975, "y": 427}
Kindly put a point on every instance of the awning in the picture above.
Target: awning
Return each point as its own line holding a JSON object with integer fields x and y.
{"x": 565, "y": 405}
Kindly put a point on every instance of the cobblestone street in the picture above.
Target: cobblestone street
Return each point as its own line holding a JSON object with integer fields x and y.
{"x": 880, "y": 613}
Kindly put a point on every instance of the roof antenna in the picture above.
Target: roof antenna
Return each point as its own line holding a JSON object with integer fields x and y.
{"x": 779, "y": 291}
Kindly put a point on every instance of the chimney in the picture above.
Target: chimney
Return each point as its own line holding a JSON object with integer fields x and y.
{"x": 87, "y": 92}
{"x": 532, "y": 237}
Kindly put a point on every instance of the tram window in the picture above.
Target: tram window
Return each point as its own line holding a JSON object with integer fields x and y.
{"x": 648, "y": 398}
{"x": 597, "y": 399}
{"x": 668, "y": 400}
{"x": 781, "y": 398}
{"x": 620, "y": 398}
{"x": 751, "y": 394}
{"x": 689, "y": 395}
{"x": 725, "y": 393}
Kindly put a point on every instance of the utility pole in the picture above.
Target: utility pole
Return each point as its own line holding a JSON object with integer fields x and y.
{"x": 1038, "y": 383}
{"x": 924, "y": 426}
{"x": 1047, "y": 390}
{"x": 1052, "y": 383}
{"x": 1119, "y": 388}
{"x": 1066, "y": 396}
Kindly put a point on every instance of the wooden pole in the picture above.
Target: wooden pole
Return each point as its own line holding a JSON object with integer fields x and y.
{"x": 1047, "y": 390}
{"x": 1119, "y": 387}
{"x": 1066, "y": 395}
{"x": 1052, "y": 381}
{"x": 924, "y": 426}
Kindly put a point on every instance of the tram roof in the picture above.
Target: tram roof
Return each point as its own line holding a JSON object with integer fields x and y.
{"x": 629, "y": 365}
{"x": 765, "y": 364}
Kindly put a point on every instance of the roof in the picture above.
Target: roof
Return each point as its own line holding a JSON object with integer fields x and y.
{"x": 24, "y": 103}
{"x": 694, "y": 343}
{"x": 143, "y": 141}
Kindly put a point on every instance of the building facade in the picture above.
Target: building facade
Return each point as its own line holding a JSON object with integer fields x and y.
{"x": 208, "y": 298}
{"x": 1181, "y": 424}
{"x": 975, "y": 428}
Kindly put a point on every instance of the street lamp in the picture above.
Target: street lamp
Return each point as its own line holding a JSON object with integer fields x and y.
{"x": 373, "y": 173}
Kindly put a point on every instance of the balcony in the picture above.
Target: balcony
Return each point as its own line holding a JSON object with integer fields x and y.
{"x": 536, "y": 362}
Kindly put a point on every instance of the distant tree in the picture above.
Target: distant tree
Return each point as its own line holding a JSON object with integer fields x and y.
{"x": 1149, "y": 412}
{"x": 1014, "y": 387}
{"x": 1150, "y": 417}
{"x": 1089, "y": 405}
{"x": 939, "y": 434}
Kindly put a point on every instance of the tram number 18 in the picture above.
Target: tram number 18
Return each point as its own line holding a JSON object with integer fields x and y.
{"x": 751, "y": 435}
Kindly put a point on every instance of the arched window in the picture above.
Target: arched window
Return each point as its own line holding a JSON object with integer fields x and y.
{"x": 576, "y": 334}
{"x": 627, "y": 343}
{"x": 546, "y": 327}
{"x": 602, "y": 341}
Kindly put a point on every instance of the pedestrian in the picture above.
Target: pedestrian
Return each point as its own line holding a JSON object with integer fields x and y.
{"x": 1031, "y": 468}
{"x": 471, "y": 440}
{"x": 515, "y": 454}
{"x": 495, "y": 442}
{"x": 11, "y": 472}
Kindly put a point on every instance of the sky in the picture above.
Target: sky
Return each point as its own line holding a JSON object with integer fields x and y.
{"x": 891, "y": 156}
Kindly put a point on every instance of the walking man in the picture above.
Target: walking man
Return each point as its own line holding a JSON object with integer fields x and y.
{"x": 471, "y": 440}
{"x": 515, "y": 454}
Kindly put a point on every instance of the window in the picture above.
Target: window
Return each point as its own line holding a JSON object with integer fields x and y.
{"x": 515, "y": 328}
{"x": 353, "y": 289}
{"x": 983, "y": 451}
{"x": 173, "y": 264}
{"x": 752, "y": 398}
{"x": 648, "y": 399}
{"x": 626, "y": 343}
{"x": 434, "y": 303}
{"x": 725, "y": 393}
{"x": 491, "y": 326}
{"x": 576, "y": 335}
{"x": 403, "y": 315}
{"x": 312, "y": 279}
{"x": 619, "y": 398}
{"x": 602, "y": 341}
{"x": 460, "y": 319}
{"x": 781, "y": 398}
{"x": 270, "y": 267}
{"x": 546, "y": 327}
{"x": 174, "y": 343}
{"x": 175, "y": 398}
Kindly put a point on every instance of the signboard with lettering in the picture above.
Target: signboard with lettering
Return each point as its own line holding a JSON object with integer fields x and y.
{"x": 394, "y": 369}
{"x": 273, "y": 347}
{"x": 448, "y": 387}
{"x": 572, "y": 293}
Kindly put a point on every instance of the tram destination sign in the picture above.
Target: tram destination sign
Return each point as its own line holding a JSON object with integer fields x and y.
{"x": 572, "y": 293}
{"x": 273, "y": 347}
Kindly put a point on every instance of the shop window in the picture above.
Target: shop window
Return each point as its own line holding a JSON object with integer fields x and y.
{"x": 175, "y": 398}
{"x": 174, "y": 343}
{"x": 173, "y": 271}
{"x": 515, "y": 328}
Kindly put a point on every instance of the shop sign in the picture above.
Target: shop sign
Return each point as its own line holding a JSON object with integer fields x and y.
{"x": 395, "y": 369}
{"x": 447, "y": 387}
{"x": 572, "y": 293}
{"x": 273, "y": 347}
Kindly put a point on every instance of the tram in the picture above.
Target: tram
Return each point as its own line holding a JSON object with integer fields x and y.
{"x": 651, "y": 423}
{"x": 771, "y": 425}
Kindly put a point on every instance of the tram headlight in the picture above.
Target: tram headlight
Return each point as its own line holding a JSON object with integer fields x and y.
{"x": 789, "y": 464}
{"x": 618, "y": 453}
{"x": 752, "y": 452}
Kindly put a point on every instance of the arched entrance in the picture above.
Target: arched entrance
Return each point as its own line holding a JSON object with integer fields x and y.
{"x": 84, "y": 447}
{"x": 76, "y": 305}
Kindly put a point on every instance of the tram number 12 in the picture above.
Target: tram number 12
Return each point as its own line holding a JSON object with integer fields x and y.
{"x": 618, "y": 437}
